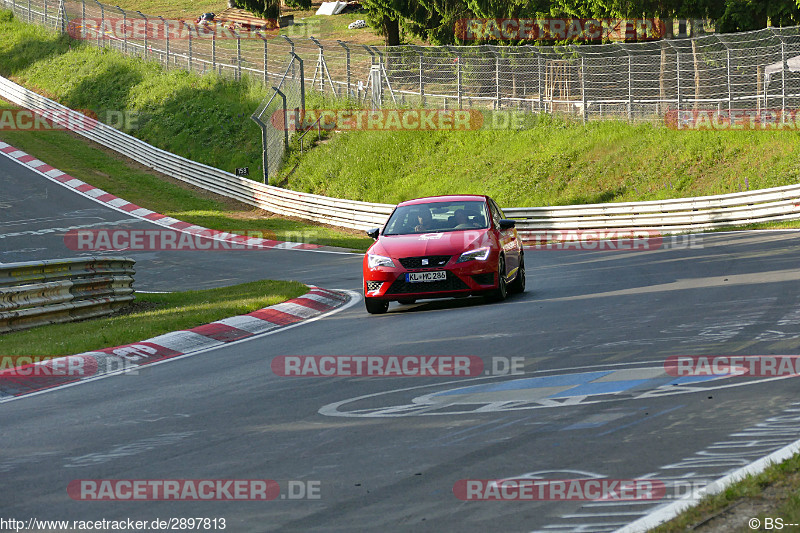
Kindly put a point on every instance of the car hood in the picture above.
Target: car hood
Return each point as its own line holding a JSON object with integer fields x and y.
{"x": 443, "y": 243}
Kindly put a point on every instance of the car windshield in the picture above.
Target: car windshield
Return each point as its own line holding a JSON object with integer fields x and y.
{"x": 437, "y": 217}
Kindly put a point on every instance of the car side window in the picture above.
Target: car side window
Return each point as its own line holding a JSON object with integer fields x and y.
{"x": 495, "y": 213}
{"x": 499, "y": 211}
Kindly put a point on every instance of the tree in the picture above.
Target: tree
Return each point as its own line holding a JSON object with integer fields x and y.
{"x": 744, "y": 15}
{"x": 269, "y": 9}
{"x": 384, "y": 16}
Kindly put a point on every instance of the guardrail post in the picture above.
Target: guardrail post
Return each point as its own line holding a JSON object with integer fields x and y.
{"x": 347, "y": 63}
{"x": 146, "y": 31}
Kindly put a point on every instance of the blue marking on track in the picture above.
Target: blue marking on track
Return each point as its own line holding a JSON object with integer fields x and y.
{"x": 531, "y": 383}
{"x": 604, "y": 387}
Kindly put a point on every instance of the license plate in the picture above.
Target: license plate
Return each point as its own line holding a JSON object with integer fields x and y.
{"x": 438, "y": 275}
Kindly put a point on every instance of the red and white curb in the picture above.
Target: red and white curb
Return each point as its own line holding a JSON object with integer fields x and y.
{"x": 124, "y": 206}
{"x": 89, "y": 366}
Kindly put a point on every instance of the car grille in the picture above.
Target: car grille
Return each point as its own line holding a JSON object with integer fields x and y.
{"x": 433, "y": 261}
{"x": 452, "y": 283}
{"x": 373, "y": 285}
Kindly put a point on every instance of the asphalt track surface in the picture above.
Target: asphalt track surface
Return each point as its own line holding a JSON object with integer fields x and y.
{"x": 387, "y": 452}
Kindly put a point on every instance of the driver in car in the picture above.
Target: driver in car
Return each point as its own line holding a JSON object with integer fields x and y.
{"x": 425, "y": 221}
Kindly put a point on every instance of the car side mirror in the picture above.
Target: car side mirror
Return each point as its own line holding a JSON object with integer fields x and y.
{"x": 507, "y": 224}
{"x": 374, "y": 232}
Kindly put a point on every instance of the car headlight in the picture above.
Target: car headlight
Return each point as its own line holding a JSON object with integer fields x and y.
{"x": 479, "y": 254}
{"x": 374, "y": 260}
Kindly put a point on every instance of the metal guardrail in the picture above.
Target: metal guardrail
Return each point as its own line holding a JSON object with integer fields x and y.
{"x": 667, "y": 216}
{"x": 45, "y": 292}
{"x": 334, "y": 211}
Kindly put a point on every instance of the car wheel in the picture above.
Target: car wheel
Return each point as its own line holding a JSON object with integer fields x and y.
{"x": 518, "y": 285}
{"x": 500, "y": 293}
{"x": 406, "y": 301}
{"x": 376, "y": 307}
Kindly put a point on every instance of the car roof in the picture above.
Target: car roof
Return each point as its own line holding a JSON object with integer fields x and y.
{"x": 452, "y": 198}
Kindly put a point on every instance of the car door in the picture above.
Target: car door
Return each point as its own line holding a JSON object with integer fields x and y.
{"x": 508, "y": 239}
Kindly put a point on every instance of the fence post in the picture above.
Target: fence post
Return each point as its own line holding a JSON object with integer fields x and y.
{"x": 190, "y": 44}
{"x": 44, "y": 14}
{"x": 730, "y": 88}
{"x": 266, "y": 76}
{"x": 238, "y": 55}
{"x": 146, "y": 31}
{"x": 421, "y": 75}
{"x": 62, "y": 14}
{"x": 630, "y": 81}
{"x": 458, "y": 74}
{"x": 83, "y": 11}
{"x": 291, "y": 52}
{"x": 166, "y": 35}
{"x": 583, "y": 88}
{"x": 124, "y": 29}
{"x": 371, "y": 62}
{"x": 102, "y": 24}
{"x": 540, "y": 68}
{"x": 302, "y": 80}
{"x": 783, "y": 78}
{"x": 347, "y": 63}
{"x": 285, "y": 119}
{"x": 496, "y": 54}
{"x": 29, "y": 11}
{"x": 214, "y": 51}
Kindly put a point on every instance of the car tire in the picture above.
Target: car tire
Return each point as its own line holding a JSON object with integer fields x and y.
{"x": 406, "y": 301}
{"x": 518, "y": 285}
{"x": 375, "y": 306}
{"x": 499, "y": 294}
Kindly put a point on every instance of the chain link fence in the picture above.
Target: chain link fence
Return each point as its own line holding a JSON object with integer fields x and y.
{"x": 279, "y": 115}
{"x": 634, "y": 81}
{"x": 630, "y": 81}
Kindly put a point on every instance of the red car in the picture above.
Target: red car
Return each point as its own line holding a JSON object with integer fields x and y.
{"x": 443, "y": 246}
